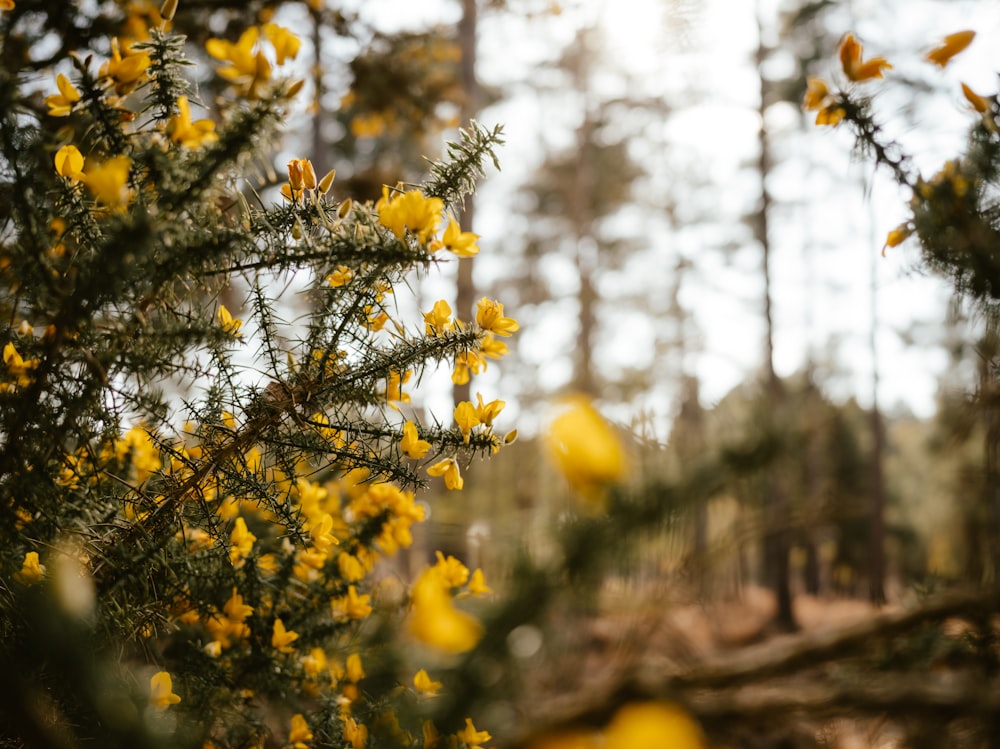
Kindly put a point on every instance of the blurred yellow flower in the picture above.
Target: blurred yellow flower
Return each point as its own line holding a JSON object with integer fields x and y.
{"x": 423, "y": 683}
{"x": 951, "y": 46}
{"x": 653, "y": 725}
{"x": 435, "y": 621}
{"x": 340, "y": 277}
{"x": 161, "y": 691}
{"x": 584, "y": 447}
{"x": 979, "y": 103}
{"x": 471, "y": 737}
{"x": 60, "y": 104}
{"x": 32, "y": 571}
{"x": 18, "y": 367}
{"x": 241, "y": 541}
{"x": 286, "y": 44}
{"x": 854, "y": 67}
{"x": 355, "y": 733}
{"x": 353, "y": 668}
{"x": 126, "y": 70}
{"x": 281, "y": 638}
{"x": 299, "y": 733}
{"x": 187, "y": 133}
{"x": 248, "y": 68}
{"x": 107, "y": 181}
{"x": 477, "y": 584}
{"x": 897, "y": 236}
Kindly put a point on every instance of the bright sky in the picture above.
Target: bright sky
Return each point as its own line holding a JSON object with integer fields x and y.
{"x": 828, "y": 201}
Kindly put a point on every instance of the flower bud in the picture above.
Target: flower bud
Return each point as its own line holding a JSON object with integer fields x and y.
{"x": 168, "y": 9}
{"x": 327, "y": 182}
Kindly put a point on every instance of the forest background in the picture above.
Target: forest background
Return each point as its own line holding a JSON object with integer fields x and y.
{"x": 804, "y": 408}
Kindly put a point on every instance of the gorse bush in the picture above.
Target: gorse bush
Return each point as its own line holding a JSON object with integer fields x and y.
{"x": 194, "y": 502}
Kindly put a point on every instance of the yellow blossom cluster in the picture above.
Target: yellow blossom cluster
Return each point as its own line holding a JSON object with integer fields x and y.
{"x": 434, "y": 619}
{"x": 249, "y": 63}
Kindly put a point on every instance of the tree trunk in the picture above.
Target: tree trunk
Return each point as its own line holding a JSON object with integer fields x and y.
{"x": 776, "y": 533}
{"x": 465, "y": 287}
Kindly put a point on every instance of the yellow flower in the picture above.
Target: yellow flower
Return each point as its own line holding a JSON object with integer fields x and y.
{"x": 434, "y": 620}
{"x": 451, "y": 571}
{"x": 187, "y": 133}
{"x": 241, "y": 541}
{"x": 951, "y": 46}
{"x": 352, "y": 606}
{"x": 286, "y": 44}
{"x": 125, "y": 70}
{"x": 235, "y": 609}
{"x": 60, "y": 104}
{"x": 247, "y": 69}
{"x": 340, "y": 277}
{"x": 17, "y": 367}
{"x": 350, "y": 567}
{"x": 281, "y": 638}
{"x": 353, "y": 668}
{"x": 487, "y": 412}
{"x": 817, "y": 93}
{"x": 489, "y": 316}
{"x": 897, "y": 236}
{"x": 31, "y": 570}
{"x": 107, "y": 181}
{"x": 423, "y": 683}
{"x": 69, "y": 163}
{"x": 410, "y": 211}
{"x": 584, "y": 448}
{"x": 477, "y": 584}
{"x": 438, "y": 320}
{"x": 411, "y": 444}
{"x": 161, "y": 691}
{"x": 979, "y": 103}
{"x": 354, "y": 732}
{"x": 6, "y": 4}
{"x": 321, "y": 533}
{"x": 854, "y": 67}
{"x": 299, "y": 733}
{"x": 493, "y": 348}
{"x": 466, "y": 418}
{"x": 394, "y": 387}
{"x": 461, "y": 243}
{"x": 830, "y": 116}
{"x": 473, "y": 738}
{"x": 227, "y": 322}
{"x": 653, "y": 725}
{"x": 449, "y": 469}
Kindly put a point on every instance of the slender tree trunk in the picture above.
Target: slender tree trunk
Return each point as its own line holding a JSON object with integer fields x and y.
{"x": 989, "y": 514}
{"x": 465, "y": 287}
{"x": 587, "y": 256}
{"x": 776, "y": 539}
{"x": 318, "y": 144}
{"x": 876, "y": 552}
